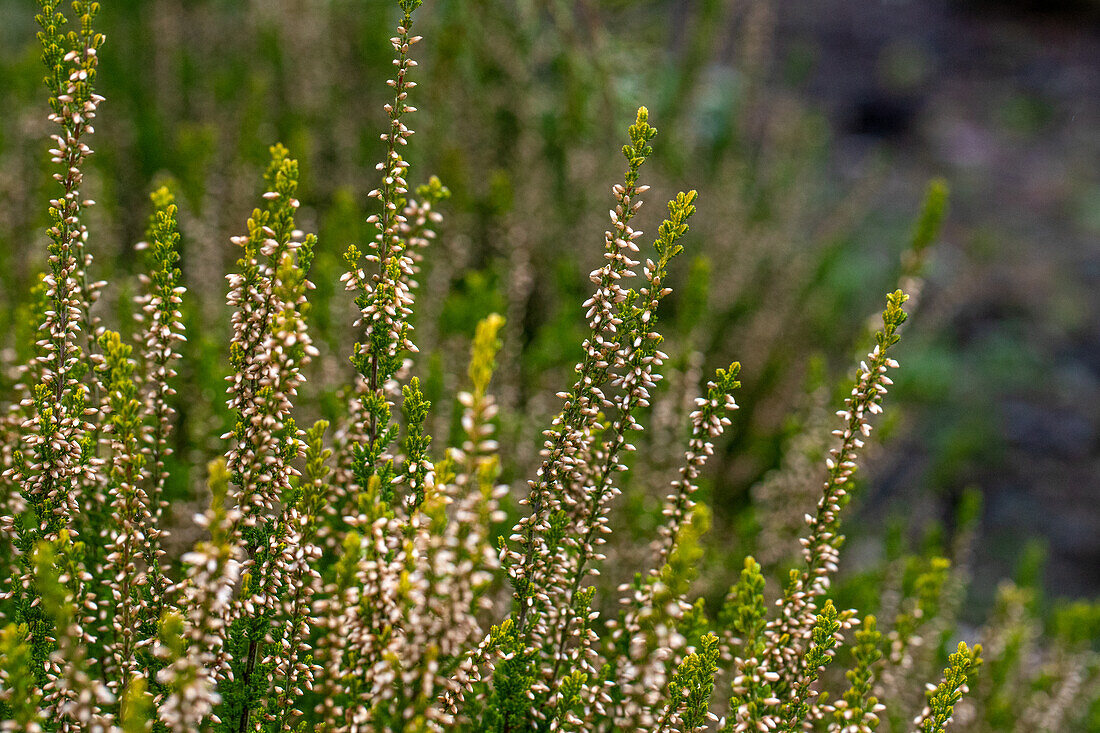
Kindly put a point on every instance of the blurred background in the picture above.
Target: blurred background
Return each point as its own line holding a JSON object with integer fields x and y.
{"x": 811, "y": 131}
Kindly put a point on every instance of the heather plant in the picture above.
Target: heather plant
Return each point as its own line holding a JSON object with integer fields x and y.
{"x": 353, "y": 575}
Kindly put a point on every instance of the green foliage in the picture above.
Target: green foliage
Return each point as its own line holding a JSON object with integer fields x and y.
{"x": 744, "y": 611}
{"x": 1077, "y": 623}
{"x": 639, "y": 149}
{"x": 690, "y": 688}
{"x": 678, "y": 574}
{"x": 136, "y": 708}
{"x": 21, "y": 698}
{"x": 892, "y": 317}
{"x": 415, "y": 409}
{"x": 859, "y": 706}
{"x": 510, "y": 707}
{"x": 931, "y": 218}
{"x": 822, "y": 642}
{"x": 745, "y": 614}
{"x": 483, "y": 353}
{"x": 942, "y": 700}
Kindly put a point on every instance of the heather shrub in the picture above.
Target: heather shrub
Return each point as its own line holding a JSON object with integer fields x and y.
{"x": 350, "y": 573}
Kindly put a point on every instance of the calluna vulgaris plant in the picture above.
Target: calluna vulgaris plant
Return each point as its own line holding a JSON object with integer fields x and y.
{"x": 354, "y": 577}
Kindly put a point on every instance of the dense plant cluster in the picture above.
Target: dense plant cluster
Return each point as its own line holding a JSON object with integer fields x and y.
{"x": 351, "y": 575}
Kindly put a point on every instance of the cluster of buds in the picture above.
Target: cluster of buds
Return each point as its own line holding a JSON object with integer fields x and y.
{"x": 789, "y": 634}
{"x": 857, "y": 711}
{"x": 690, "y": 689}
{"x": 139, "y": 422}
{"x": 270, "y": 344}
{"x": 418, "y": 222}
{"x": 588, "y": 515}
{"x": 752, "y": 703}
{"x": 410, "y": 589}
{"x": 479, "y": 407}
{"x": 270, "y": 347}
{"x": 906, "y": 650}
{"x": 56, "y": 435}
{"x": 193, "y": 642}
{"x": 362, "y": 615}
{"x": 639, "y": 670}
{"x": 161, "y": 335}
{"x": 133, "y": 535}
{"x": 385, "y": 297}
{"x": 708, "y": 421}
{"x": 961, "y": 665}
{"x": 292, "y": 670}
{"x": 825, "y": 635}
{"x": 72, "y": 698}
{"x": 443, "y": 593}
{"x": 565, "y": 454}
{"x": 71, "y": 63}
{"x": 471, "y": 499}
{"x": 55, "y": 462}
